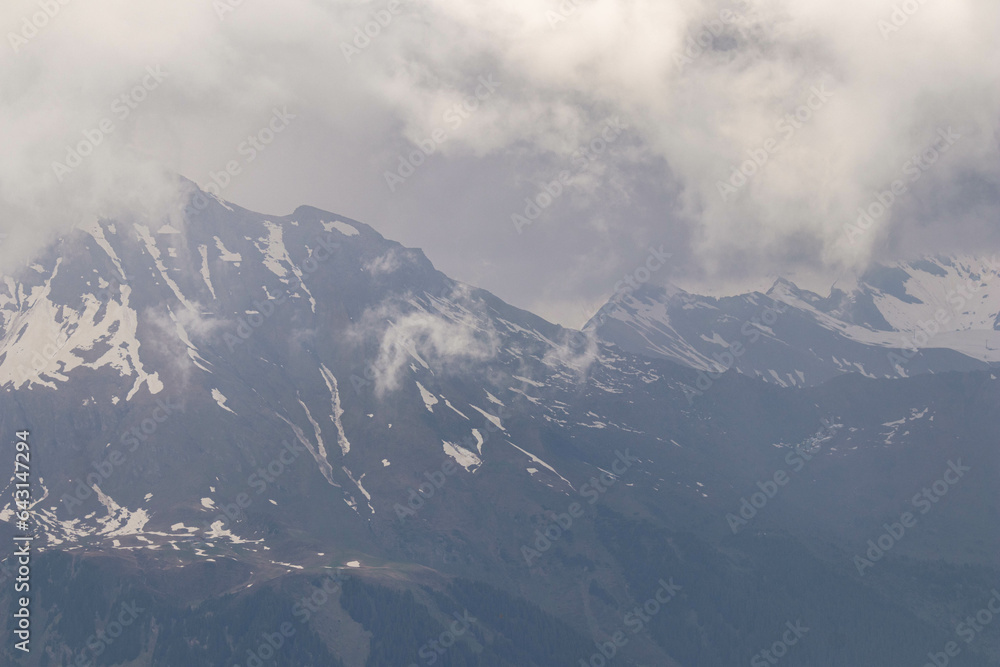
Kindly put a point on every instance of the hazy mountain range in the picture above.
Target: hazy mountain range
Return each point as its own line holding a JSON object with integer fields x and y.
{"x": 242, "y": 421}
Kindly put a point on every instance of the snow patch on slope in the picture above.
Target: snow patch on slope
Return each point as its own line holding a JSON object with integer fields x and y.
{"x": 319, "y": 456}
{"x": 342, "y": 227}
{"x": 430, "y": 400}
{"x": 42, "y": 337}
{"x": 491, "y": 418}
{"x": 221, "y": 400}
{"x": 206, "y": 276}
{"x": 462, "y": 456}
{"x": 338, "y": 411}
{"x": 542, "y": 463}
{"x": 225, "y": 255}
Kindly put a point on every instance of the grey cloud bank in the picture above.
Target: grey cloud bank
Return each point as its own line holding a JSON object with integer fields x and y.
{"x": 892, "y": 89}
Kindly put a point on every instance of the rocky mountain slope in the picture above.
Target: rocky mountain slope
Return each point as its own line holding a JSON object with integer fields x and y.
{"x": 240, "y": 421}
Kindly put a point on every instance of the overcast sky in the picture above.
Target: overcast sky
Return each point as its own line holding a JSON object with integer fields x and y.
{"x": 830, "y": 101}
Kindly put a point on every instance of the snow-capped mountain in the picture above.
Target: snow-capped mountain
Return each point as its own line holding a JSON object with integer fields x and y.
{"x": 227, "y": 407}
{"x": 296, "y": 327}
{"x": 932, "y": 315}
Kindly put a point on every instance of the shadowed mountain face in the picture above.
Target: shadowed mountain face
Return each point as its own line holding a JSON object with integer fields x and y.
{"x": 241, "y": 421}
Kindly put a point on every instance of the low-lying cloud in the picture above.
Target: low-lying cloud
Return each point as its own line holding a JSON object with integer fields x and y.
{"x": 443, "y": 342}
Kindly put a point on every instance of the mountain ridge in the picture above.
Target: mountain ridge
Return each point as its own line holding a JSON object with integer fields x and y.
{"x": 930, "y": 315}
{"x": 263, "y": 401}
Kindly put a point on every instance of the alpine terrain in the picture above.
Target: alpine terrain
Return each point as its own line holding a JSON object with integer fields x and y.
{"x": 287, "y": 440}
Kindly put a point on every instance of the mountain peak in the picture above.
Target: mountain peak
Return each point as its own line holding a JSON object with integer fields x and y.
{"x": 864, "y": 327}
{"x": 782, "y": 285}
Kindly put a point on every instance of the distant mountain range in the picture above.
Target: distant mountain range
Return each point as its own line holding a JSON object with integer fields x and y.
{"x": 934, "y": 315}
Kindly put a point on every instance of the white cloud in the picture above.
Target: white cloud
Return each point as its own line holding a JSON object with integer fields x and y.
{"x": 411, "y": 332}
{"x": 689, "y": 125}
